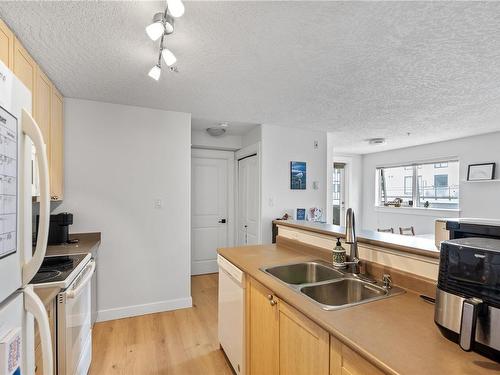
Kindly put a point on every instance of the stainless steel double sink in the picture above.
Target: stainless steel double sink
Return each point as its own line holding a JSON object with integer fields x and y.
{"x": 331, "y": 288}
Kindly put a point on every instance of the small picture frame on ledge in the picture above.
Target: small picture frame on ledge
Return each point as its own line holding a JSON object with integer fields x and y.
{"x": 481, "y": 172}
{"x": 300, "y": 214}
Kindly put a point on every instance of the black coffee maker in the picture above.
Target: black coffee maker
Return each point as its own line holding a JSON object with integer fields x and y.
{"x": 58, "y": 228}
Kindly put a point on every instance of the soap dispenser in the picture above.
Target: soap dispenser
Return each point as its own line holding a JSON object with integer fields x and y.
{"x": 339, "y": 255}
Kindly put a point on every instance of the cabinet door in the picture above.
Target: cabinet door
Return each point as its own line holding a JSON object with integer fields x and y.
{"x": 6, "y": 45}
{"x": 43, "y": 93}
{"x": 345, "y": 361}
{"x": 262, "y": 330}
{"x": 25, "y": 69}
{"x": 303, "y": 345}
{"x": 56, "y": 147}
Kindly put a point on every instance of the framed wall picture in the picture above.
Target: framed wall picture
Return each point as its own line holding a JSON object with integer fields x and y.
{"x": 298, "y": 172}
{"x": 300, "y": 214}
{"x": 480, "y": 172}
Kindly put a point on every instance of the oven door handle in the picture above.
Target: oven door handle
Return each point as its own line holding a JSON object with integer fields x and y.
{"x": 73, "y": 293}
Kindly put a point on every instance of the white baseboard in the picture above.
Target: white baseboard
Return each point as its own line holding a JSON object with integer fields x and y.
{"x": 204, "y": 266}
{"x": 149, "y": 308}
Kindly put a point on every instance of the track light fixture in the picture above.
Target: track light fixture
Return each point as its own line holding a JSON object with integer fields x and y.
{"x": 162, "y": 25}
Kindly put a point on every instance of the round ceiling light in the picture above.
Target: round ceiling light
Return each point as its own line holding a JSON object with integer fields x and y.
{"x": 376, "y": 141}
{"x": 216, "y": 131}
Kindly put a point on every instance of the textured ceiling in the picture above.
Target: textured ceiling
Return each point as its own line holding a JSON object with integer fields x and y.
{"x": 358, "y": 69}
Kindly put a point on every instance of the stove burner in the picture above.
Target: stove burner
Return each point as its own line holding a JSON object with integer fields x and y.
{"x": 44, "y": 275}
{"x": 60, "y": 263}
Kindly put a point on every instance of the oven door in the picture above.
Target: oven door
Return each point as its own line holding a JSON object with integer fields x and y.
{"x": 74, "y": 339}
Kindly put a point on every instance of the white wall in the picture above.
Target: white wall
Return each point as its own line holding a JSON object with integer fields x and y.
{"x": 280, "y": 146}
{"x": 476, "y": 199}
{"x": 252, "y": 137}
{"x": 201, "y": 139}
{"x": 118, "y": 161}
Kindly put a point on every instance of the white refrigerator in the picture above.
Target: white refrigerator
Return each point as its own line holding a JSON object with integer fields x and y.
{"x": 19, "y": 305}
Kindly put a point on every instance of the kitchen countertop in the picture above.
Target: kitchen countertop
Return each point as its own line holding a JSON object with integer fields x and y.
{"x": 88, "y": 243}
{"x": 412, "y": 244}
{"x": 396, "y": 334}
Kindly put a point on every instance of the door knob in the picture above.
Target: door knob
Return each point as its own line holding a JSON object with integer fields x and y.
{"x": 222, "y": 221}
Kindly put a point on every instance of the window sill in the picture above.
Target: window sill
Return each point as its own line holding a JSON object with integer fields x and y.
{"x": 419, "y": 211}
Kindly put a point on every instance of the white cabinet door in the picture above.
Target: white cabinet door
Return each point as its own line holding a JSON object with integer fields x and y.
{"x": 209, "y": 208}
{"x": 248, "y": 201}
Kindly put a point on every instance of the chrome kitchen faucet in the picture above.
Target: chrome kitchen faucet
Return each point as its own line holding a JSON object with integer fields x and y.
{"x": 351, "y": 239}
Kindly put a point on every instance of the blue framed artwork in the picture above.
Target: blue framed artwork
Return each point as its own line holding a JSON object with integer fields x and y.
{"x": 300, "y": 214}
{"x": 298, "y": 175}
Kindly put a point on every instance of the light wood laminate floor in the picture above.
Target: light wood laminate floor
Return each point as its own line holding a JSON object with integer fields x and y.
{"x": 175, "y": 342}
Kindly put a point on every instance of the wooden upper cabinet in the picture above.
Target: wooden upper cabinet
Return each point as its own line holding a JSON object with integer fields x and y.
{"x": 25, "y": 69}
{"x": 43, "y": 106}
{"x": 6, "y": 45}
{"x": 263, "y": 329}
{"x": 304, "y": 346}
{"x": 56, "y": 147}
{"x": 47, "y": 103}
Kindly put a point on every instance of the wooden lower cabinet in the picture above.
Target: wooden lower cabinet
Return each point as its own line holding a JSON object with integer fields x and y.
{"x": 345, "y": 361}
{"x": 262, "y": 330}
{"x": 281, "y": 340}
{"x": 303, "y": 345}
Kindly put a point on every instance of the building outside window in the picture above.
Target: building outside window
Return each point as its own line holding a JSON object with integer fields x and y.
{"x": 441, "y": 165}
{"x": 437, "y": 185}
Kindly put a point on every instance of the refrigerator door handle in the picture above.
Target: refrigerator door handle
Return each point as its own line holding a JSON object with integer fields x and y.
{"x": 34, "y": 306}
{"x": 31, "y": 129}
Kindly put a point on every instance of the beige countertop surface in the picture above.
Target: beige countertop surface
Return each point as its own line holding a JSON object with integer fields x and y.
{"x": 87, "y": 243}
{"x": 412, "y": 244}
{"x": 397, "y": 334}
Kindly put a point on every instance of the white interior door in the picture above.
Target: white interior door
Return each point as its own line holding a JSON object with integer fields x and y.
{"x": 210, "y": 194}
{"x": 248, "y": 201}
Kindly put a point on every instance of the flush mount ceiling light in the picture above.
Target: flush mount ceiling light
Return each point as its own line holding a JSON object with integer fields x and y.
{"x": 218, "y": 130}
{"x": 163, "y": 25}
{"x": 376, "y": 141}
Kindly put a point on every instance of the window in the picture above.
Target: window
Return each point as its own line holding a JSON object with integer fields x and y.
{"x": 441, "y": 165}
{"x": 408, "y": 185}
{"x": 436, "y": 187}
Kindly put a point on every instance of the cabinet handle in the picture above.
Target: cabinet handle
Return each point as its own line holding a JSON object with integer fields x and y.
{"x": 270, "y": 297}
{"x": 273, "y": 302}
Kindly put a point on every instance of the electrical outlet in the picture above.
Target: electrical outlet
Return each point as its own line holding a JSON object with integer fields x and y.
{"x": 271, "y": 202}
{"x": 158, "y": 204}
{"x": 316, "y": 145}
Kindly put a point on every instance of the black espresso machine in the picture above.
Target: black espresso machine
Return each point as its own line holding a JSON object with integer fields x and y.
{"x": 58, "y": 228}
{"x": 467, "y": 307}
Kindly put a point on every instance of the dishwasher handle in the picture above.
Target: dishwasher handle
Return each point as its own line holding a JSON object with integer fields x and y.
{"x": 85, "y": 279}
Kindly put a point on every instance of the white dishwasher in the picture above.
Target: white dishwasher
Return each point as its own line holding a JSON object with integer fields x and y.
{"x": 232, "y": 313}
